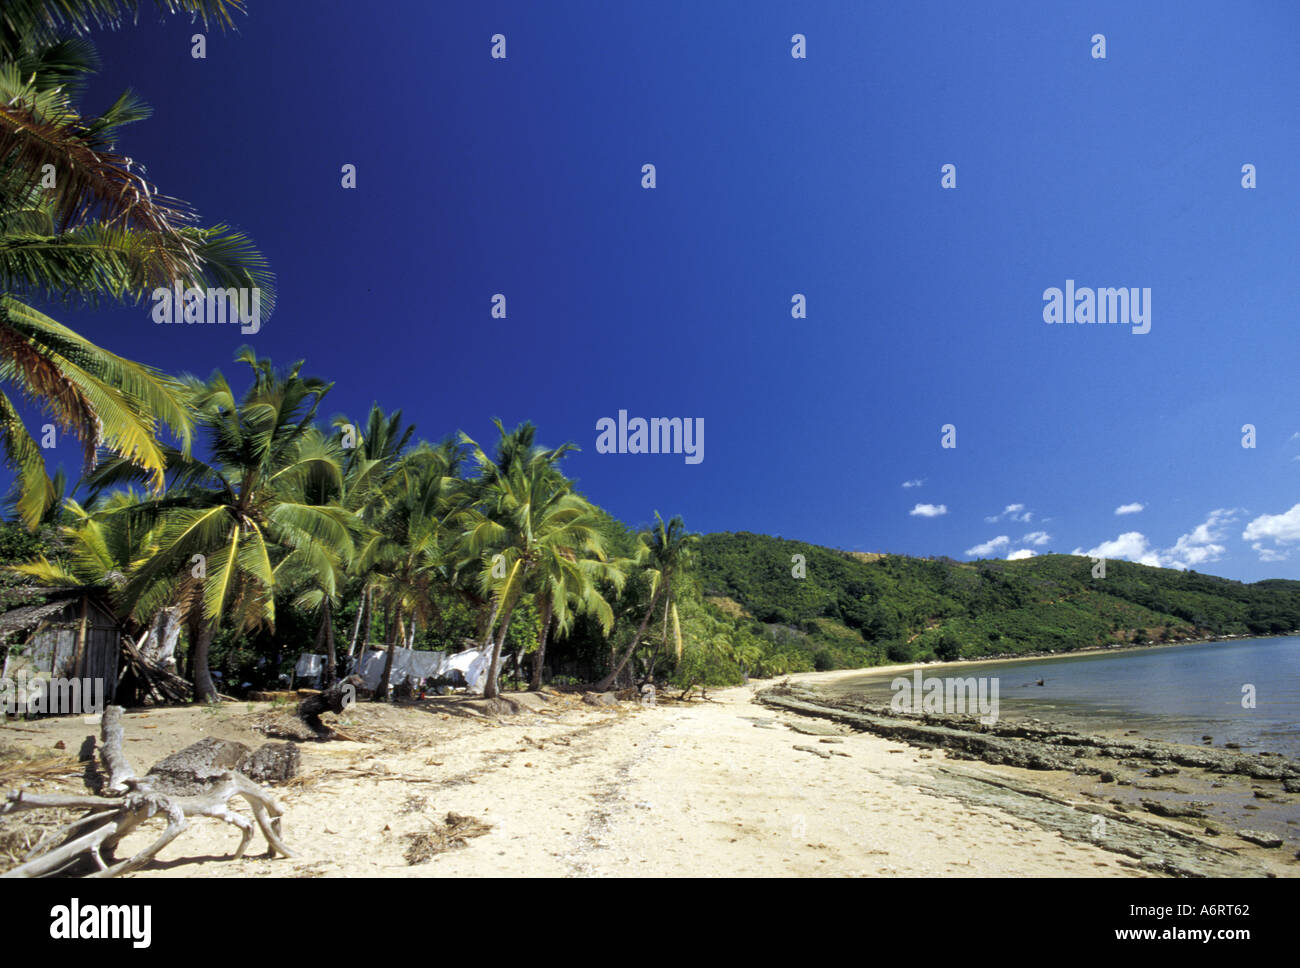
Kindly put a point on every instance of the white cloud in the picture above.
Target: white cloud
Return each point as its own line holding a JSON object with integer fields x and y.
{"x": 1133, "y": 508}
{"x": 1131, "y": 546}
{"x": 915, "y": 483}
{"x": 928, "y": 510}
{"x": 988, "y": 547}
{"x": 1201, "y": 544}
{"x": 1012, "y": 512}
{"x": 1280, "y": 529}
{"x": 1197, "y": 547}
{"x": 1038, "y": 538}
{"x": 1270, "y": 554}
{"x": 1021, "y": 553}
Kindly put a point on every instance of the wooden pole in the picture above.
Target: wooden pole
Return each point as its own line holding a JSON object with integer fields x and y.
{"x": 81, "y": 639}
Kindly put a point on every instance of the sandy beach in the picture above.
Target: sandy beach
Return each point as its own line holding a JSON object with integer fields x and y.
{"x": 721, "y": 787}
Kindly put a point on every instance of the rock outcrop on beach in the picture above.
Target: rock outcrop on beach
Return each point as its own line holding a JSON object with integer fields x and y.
{"x": 1036, "y": 745}
{"x": 1029, "y": 743}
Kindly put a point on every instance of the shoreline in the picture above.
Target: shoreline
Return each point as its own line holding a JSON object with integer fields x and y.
{"x": 724, "y": 787}
{"x": 895, "y": 668}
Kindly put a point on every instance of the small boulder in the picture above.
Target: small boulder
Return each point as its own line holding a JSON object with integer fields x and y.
{"x": 1260, "y": 838}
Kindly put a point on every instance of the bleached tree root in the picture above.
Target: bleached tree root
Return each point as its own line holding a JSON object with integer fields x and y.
{"x": 141, "y": 802}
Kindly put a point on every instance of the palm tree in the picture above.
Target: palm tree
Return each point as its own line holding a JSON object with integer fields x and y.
{"x": 566, "y": 585}
{"x": 372, "y": 457}
{"x": 79, "y": 225}
{"x": 27, "y": 22}
{"x": 318, "y": 567}
{"x": 222, "y": 521}
{"x": 526, "y": 515}
{"x": 409, "y": 550}
{"x": 99, "y": 546}
{"x": 668, "y": 551}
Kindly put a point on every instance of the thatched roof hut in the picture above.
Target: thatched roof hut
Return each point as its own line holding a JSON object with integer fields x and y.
{"x": 68, "y": 632}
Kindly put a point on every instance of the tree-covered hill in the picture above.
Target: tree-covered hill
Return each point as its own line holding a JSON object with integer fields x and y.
{"x": 851, "y": 609}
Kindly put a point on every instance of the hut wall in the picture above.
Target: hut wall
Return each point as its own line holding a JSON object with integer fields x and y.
{"x": 52, "y": 651}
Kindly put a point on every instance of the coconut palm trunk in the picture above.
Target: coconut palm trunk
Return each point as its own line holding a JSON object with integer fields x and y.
{"x": 636, "y": 640}
{"x": 486, "y": 628}
{"x": 390, "y": 632}
{"x": 491, "y": 688}
{"x": 536, "y": 684}
{"x": 205, "y": 689}
{"x": 327, "y": 618}
{"x": 356, "y": 630}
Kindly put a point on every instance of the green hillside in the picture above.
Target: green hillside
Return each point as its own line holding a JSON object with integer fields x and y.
{"x": 855, "y": 610}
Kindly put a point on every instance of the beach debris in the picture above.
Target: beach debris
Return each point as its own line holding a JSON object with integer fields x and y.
{"x": 1260, "y": 838}
{"x": 600, "y": 699}
{"x": 830, "y": 739}
{"x": 197, "y": 781}
{"x": 271, "y": 763}
{"x": 824, "y": 754}
{"x": 815, "y": 729}
{"x": 338, "y": 697}
{"x": 453, "y": 833}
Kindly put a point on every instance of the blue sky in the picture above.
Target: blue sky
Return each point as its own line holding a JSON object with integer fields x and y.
{"x": 777, "y": 176}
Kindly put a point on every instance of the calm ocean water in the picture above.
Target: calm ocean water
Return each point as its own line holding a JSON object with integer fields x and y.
{"x": 1177, "y": 694}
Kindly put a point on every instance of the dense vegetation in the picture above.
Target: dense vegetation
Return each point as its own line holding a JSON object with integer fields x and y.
{"x": 854, "y": 610}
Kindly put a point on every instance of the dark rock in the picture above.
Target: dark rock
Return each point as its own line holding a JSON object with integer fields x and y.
{"x": 1190, "y": 809}
{"x": 1260, "y": 838}
{"x": 1107, "y": 777}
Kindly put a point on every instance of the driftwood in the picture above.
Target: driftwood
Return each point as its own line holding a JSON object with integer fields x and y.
{"x": 115, "y": 762}
{"x": 335, "y": 699}
{"x": 199, "y": 793}
{"x": 152, "y": 674}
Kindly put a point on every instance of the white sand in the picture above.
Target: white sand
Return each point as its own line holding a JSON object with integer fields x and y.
{"x": 681, "y": 790}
